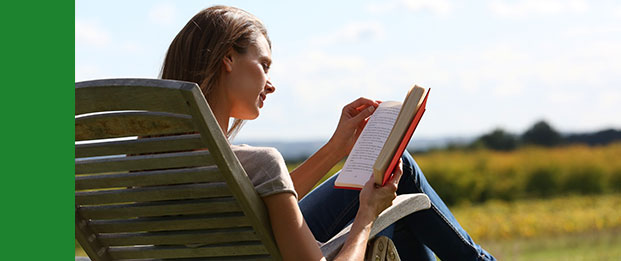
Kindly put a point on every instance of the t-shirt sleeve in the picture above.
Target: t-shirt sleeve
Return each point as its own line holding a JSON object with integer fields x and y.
{"x": 266, "y": 169}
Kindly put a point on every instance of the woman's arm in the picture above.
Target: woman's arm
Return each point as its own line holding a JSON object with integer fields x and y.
{"x": 296, "y": 241}
{"x": 294, "y": 238}
{"x": 306, "y": 175}
{"x": 353, "y": 119}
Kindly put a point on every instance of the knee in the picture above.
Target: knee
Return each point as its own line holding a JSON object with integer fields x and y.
{"x": 411, "y": 171}
{"x": 409, "y": 165}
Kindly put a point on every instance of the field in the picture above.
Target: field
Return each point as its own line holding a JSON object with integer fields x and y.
{"x": 533, "y": 203}
{"x": 563, "y": 228}
{"x": 604, "y": 245}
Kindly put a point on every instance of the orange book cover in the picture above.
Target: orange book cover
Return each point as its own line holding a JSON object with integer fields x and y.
{"x": 406, "y": 140}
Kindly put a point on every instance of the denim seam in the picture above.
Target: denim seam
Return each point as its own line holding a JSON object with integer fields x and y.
{"x": 341, "y": 216}
{"x": 455, "y": 230}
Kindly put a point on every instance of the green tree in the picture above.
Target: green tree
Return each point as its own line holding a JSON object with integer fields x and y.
{"x": 498, "y": 139}
{"x": 542, "y": 134}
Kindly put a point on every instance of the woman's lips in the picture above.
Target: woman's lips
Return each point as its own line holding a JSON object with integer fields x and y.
{"x": 261, "y": 99}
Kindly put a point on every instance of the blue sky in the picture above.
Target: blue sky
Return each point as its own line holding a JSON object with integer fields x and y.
{"x": 495, "y": 63}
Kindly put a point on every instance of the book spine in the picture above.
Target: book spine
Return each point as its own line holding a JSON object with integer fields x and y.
{"x": 401, "y": 149}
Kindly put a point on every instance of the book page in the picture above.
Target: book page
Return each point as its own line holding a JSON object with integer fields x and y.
{"x": 359, "y": 165}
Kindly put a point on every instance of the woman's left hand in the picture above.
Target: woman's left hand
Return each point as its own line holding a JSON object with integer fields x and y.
{"x": 353, "y": 119}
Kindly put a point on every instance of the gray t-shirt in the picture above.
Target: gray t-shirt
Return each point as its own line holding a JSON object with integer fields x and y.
{"x": 266, "y": 169}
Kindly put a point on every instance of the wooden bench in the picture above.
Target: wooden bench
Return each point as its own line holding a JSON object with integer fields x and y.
{"x": 178, "y": 191}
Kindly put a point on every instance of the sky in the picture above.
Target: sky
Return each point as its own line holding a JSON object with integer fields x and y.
{"x": 489, "y": 64}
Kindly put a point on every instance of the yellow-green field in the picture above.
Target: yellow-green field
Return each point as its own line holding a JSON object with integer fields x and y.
{"x": 565, "y": 228}
{"x": 498, "y": 220}
{"x": 530, "y": 172}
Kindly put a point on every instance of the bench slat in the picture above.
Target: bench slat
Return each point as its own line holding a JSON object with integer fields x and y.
{"x": 131, "y": 123}
{"x": 149, "y": 178}
{"x": 129, "y": 94}
{"x": 227, "y": 220}
{"x": 151, "y": 209}
{"x": 144, "y": 162}
{"x": 179, "y": 237}
{"x": 235, "y": 249}
{"x": 139, "y": 146}
{"x": 158, "y": 193}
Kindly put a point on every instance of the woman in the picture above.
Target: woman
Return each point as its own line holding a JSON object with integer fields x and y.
{"x": 228, "y": 53}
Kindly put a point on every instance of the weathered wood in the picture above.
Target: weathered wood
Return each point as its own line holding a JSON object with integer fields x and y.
{"x": 144, "y": 162}
{"x": 157, "y": 193}
{"x": 88, "y": 240}
{"x": 218, "y": 258}
{"x": 232, "y": 170}
{"x": 234, "y": 249}
{"x": 187, "y": 222}
{"x": 186, "y": 116}
{"x": 140, "y": 146}
{"x": 129, "y": 94}
{"x": 131, "y": 123}
{"x": 174, "y": 207}
{"x": 179, "y": 237}
{"x": 149, "y": 178}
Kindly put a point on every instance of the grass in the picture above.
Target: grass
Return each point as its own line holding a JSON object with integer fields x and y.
{"x": 498, "y": 220}
{"x": 601, "y": 245}
{"x": 563, "y": 228}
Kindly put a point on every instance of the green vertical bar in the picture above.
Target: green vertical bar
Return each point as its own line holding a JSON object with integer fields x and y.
{"x": 37, "y": 104}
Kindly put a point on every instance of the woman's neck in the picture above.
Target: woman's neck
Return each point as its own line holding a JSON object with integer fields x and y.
{"x": 221, "y": 113}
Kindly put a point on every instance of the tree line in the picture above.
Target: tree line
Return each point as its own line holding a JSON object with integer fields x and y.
{"x": 542, "y": 134}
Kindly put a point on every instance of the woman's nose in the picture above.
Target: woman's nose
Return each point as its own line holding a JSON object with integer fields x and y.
{"x": 269, "y": 87}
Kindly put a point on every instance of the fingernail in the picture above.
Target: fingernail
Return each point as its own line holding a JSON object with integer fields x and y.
{"x": 371, "y": 108}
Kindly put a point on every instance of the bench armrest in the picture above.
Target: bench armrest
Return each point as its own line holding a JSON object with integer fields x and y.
{"x": 402, "y": 206}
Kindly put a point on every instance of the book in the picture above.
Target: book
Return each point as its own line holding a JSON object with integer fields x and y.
{"x": 383, "y": 140}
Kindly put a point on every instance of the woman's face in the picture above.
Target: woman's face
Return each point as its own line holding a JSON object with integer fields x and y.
{"x": 247, "y": 83}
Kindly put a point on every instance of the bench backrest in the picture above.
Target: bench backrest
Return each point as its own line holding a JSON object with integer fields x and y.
{"x": 177, "y": 191}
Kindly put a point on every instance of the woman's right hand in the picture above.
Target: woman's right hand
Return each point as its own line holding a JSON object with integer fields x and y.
{"x": 375, "y": 199}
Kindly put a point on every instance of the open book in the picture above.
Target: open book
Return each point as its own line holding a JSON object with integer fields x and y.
{"x": 383, "y": 140}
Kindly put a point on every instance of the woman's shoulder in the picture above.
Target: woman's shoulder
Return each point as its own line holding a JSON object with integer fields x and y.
{"x": 266, "y": 169}
{"x": 246, "y": 152}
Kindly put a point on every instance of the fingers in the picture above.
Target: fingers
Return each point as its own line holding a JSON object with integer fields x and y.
{"x": 397, "y": 173}
{"x": 362, "y": 102}
{"x": 364, "y": 114}
{"x": 393, "y": 182}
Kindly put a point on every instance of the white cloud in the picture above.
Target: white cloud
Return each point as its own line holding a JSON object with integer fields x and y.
{"x": 489, "y": 85}
{"x": 163, "y": 14}
{"x": 319, "y": 75}
{"x": 352, "y": 33}
{"x": 132, "y": 47}
{"x": 90, "y": 33}
{"x": 436, "y": 7}
{"x": 586, "y": 31}
{"x": 617, "y": 11}
{"x": 527, "y": 8}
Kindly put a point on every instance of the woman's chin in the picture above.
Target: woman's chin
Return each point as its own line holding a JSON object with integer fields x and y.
{"x": 249, "y": 116}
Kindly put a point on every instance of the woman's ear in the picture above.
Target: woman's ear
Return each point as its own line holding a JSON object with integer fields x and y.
{"x": 228, "y": 61}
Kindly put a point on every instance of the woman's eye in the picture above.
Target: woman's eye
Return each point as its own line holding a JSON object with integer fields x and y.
{"x": 266, "y": 67}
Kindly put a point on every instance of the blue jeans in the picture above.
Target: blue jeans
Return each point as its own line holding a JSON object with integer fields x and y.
{"x": 328, "y": 210}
